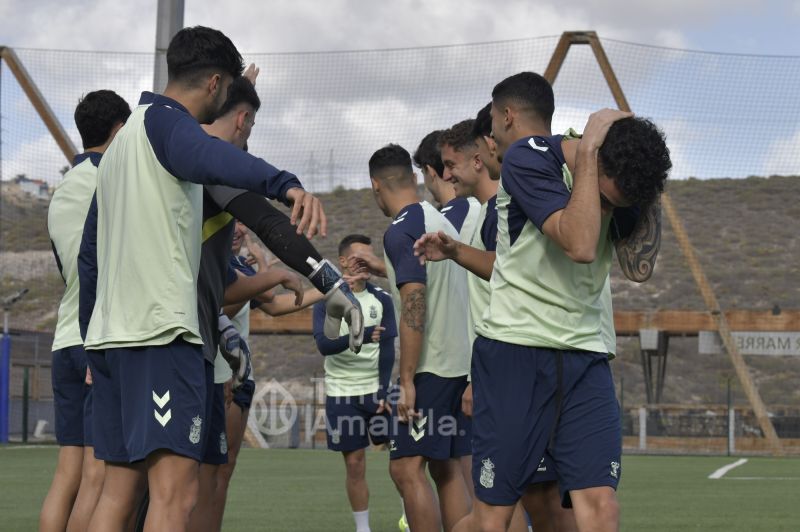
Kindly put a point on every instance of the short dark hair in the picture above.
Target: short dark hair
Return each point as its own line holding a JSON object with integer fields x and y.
{"x": 428, "y": 152}
{"x": 482, "y": 126}
{"x": 528, "y": 90}
{"x": 349, "y": 240}
{"x": 391, "y": 157}
{"x": 241, "y": 90}
{"x": 459, "y": 136}
{"x": 96, "y": 115}
{"x": 635, "y": 155}
{"x": 196, "y": 52}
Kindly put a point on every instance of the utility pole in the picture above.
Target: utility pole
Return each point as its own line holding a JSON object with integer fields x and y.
{"x": 331, "y": 170}
{"x": 168, "y": 22}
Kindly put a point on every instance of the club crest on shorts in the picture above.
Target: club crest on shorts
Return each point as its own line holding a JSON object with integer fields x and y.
{"x": 336, "y": 438}
{"x": 487, "y": 473}
{"x": 392, "y": 445}
{"x": 373, "y": 312}
{"x": 194, "y": 430}
{"x": 615, "y": 469}
{"x": 223, "y": 443}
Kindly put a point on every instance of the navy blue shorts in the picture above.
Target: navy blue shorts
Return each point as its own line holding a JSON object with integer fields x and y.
{"x": 216, "y": 449}
{"x": 443, "y": 431}
{"x": 243, "y": 395}
{"x": 69, "y": 394}
{"x": 88, "y": 441}
{"x": 353, "y": 421}
{"x": 514, "y": 393}
{"x": 148, "y": 398}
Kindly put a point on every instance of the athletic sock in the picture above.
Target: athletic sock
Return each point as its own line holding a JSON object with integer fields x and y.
{"x": 403, "y": 524}
{"x": 362, "y": 521}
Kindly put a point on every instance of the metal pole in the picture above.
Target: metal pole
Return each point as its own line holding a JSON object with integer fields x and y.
{"x": 5, "y": 370}
{"x": 5, "y": 366}
{"x": 642, "y": 428}
{"x": 168, "y": 22}
{"x": 314, "y": 415}
{"x": 25, "y": 404}
{"x": 730, "y": 420}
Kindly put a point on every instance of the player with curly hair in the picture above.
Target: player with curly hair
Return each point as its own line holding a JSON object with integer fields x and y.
{"x": 542, "y": 351}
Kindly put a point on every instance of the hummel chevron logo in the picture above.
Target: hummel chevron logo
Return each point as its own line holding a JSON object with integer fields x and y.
{"x": 532, "y": 144}
{"x": 163, "y": 419}
{"x": 161, "y": 402}
{"x": 400, "y": 218}
{"x": 418, "y": 428}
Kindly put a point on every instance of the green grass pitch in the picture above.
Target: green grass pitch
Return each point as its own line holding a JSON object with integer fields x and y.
{"x": 303, "y": 490}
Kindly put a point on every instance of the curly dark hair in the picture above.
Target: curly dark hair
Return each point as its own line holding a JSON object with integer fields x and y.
{"x": 635, "y": 155}
{"x": 460, "y": 136}
{"x": 96, "y": 115}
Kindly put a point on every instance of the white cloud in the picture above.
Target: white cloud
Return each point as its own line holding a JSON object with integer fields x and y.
{"x": 38, "y": 158}
{"x": 311, "y": 25}
{"x": 79, "y": 24}
{"x": 783, "y": 156}
{"x": 353, "y": 103}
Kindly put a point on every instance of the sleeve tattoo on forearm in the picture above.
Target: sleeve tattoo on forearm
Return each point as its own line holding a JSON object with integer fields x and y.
{"x": 637, "y": 254}
{"x": 414, "y": 310}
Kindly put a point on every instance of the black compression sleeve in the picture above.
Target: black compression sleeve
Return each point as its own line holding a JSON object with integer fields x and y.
{"x": 275, "y": 230}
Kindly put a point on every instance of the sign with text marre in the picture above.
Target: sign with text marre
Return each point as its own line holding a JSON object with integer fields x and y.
{"x": 753, "y": 343}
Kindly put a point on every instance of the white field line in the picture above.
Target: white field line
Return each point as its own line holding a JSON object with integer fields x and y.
{"x": 719, "y": 473}
{"x": 761, "y": 478}
{"x": 42, "y": 446}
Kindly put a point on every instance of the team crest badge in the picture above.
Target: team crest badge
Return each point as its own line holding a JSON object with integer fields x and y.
{"x": 615, "y": 469}
{"x": 373, "y": 312}
{"x": 335, "y": 436}
{"x": 487, "y": 473}
{"x": 392, "y": 445}
{"x": 223, "y": 443}
{"x": 194, "y": 430}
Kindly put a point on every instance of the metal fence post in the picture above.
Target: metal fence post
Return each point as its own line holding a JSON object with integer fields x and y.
{"x": 731, "y": 421}
{"x": 25, "y": 403}
{"x": 315, "y": 400}
{"x": 642, "y": 428}
{"x": 5, "y": 370}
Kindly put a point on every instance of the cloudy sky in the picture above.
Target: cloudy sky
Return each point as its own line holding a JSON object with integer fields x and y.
{"x": 324, "y": 113}
{"x": 744, "y": 26}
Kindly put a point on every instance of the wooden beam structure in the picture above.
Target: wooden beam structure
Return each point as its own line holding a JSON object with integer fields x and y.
{"x": 691, "y": 322}
{"x": 568, "y": 38}
{"x": 39, "y": 103}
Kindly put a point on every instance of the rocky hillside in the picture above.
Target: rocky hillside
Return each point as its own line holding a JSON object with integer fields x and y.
{"x": 746, "y": 232}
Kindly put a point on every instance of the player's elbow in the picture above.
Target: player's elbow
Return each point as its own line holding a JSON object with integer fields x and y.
{"x": 582, "y": 255}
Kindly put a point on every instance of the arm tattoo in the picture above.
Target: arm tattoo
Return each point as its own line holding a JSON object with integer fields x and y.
{"x": 414, "y": 310}
{"x": 637, "y": 253}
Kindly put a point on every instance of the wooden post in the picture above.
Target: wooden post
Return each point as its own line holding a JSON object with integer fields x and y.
{"x": 39, "y": 103}
{"x": 739, "y": 364}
